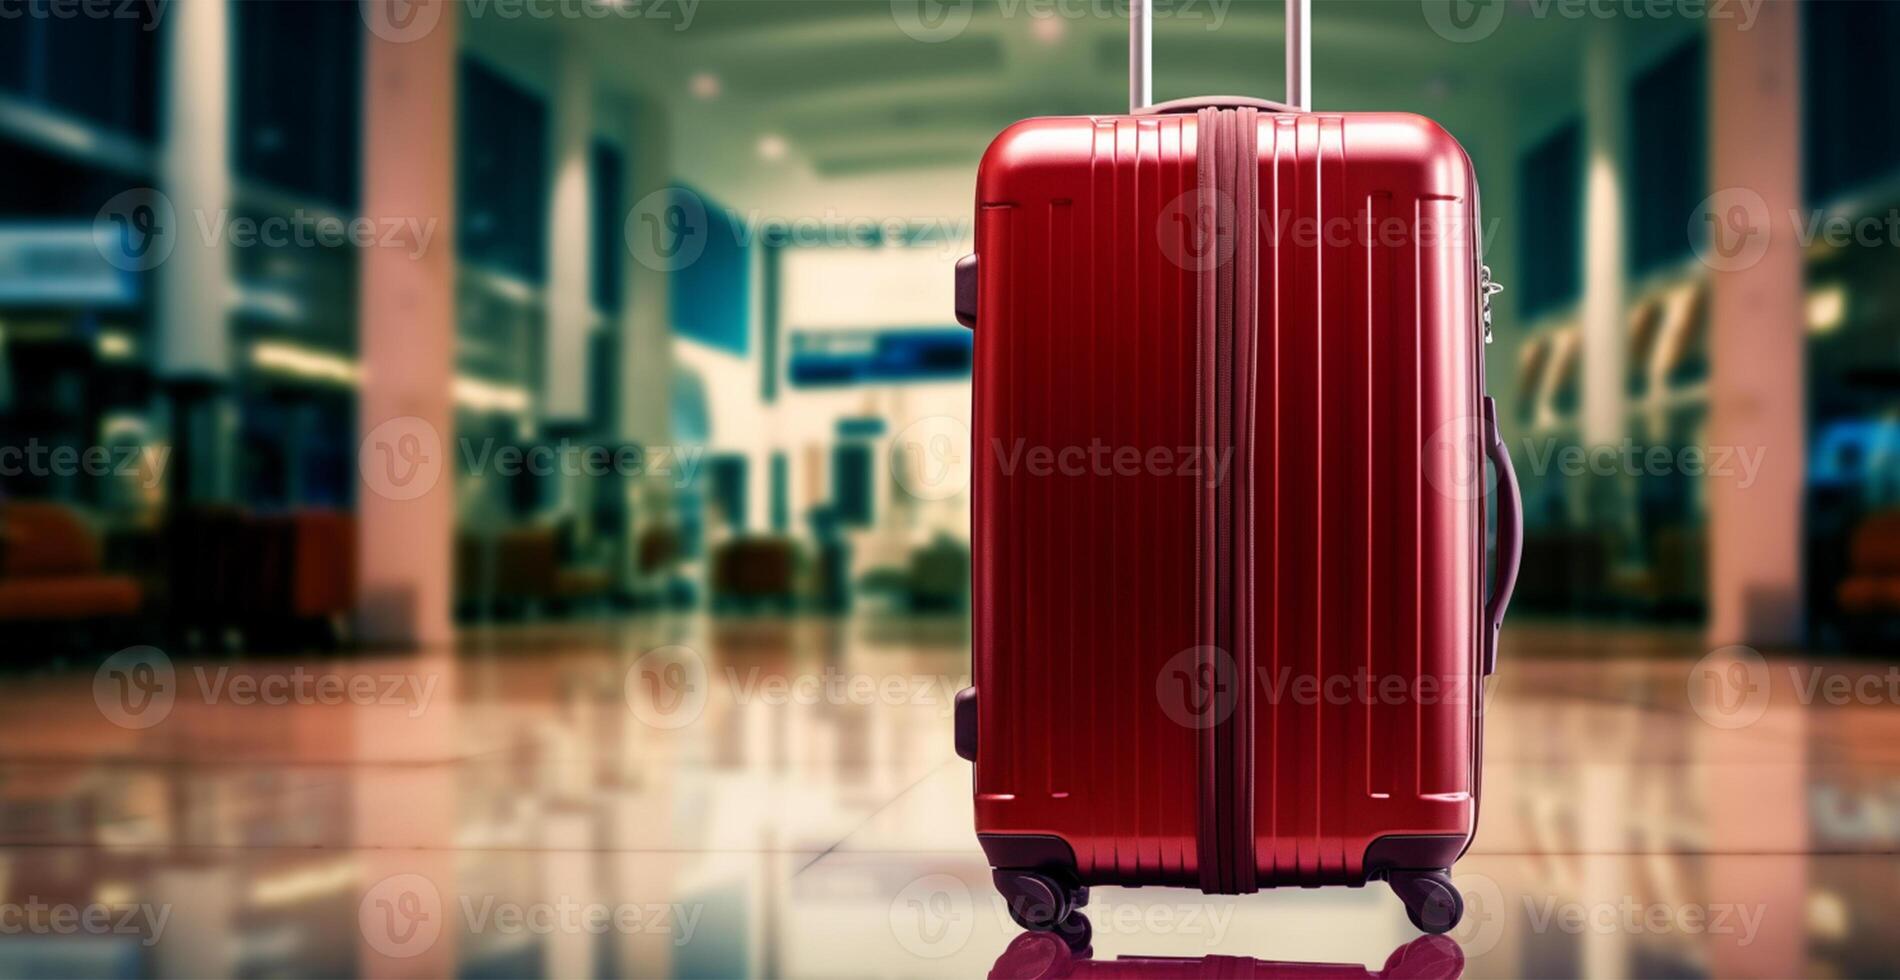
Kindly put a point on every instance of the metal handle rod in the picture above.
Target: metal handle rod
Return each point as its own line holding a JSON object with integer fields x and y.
{"x": 1299, "y": 54}
{"x": 1140, "y": 54}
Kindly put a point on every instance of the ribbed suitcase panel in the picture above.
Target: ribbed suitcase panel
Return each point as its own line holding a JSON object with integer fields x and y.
{"x": 1367, "y": 563}
{"x": 1090, "y": 587}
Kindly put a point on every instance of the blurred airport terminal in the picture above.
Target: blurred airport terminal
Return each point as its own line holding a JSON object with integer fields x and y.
{"x": 489, "y": 349}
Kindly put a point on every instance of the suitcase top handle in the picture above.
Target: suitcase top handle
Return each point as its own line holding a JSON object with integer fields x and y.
{"x": 1299, "y": 64}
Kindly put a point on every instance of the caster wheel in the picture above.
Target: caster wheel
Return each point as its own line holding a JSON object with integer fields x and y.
{"x": 1431, "y": 902}
{"x": 1038, "y": 901}
{"x": 1078, "y": 933}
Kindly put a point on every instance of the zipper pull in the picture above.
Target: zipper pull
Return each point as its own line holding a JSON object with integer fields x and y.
{"x": 1487, "y": 288}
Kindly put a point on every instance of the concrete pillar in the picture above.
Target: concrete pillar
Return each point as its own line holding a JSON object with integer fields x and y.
{"x": 570, "y": 294}
{"x": 1604, "y": 333}
{"x": 646, "y": 327}
{"x": 194, "y": 281}
{"x": 1757, "y": 343}
{"x": 406, "y": 511}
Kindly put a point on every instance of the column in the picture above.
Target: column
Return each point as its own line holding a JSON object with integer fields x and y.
{"x": 194, "y": 283}
{"x": 1604, "y": 332}
{"x": 406, "y": 507}
{"x": 1757, "y": 343}
{"x": 645, "y": 373}
{"x": 646, "y": 328}
{"x": 570, "y": 292}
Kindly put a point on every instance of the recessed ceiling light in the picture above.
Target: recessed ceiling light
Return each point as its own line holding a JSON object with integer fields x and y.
{"x": 706, "y": 85}
{"x": 772, "y": 147}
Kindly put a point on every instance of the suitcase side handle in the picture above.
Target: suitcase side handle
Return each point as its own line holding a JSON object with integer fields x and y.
{"x": 1299, "y": 62}
{"x": 1510, "y": 535}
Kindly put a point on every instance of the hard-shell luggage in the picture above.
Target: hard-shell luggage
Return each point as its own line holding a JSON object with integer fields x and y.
{"x": 1229, "y": 530}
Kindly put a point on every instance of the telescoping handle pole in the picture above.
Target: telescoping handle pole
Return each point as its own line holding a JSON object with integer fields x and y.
{"x": 1299, "y": 54}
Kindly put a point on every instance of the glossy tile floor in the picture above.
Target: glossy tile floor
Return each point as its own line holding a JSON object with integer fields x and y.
{"x": 692, "y": 797}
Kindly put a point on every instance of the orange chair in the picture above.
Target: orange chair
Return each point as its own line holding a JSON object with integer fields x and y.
{"x": 51, "y": 568}
{"x": 1872, "y": 585}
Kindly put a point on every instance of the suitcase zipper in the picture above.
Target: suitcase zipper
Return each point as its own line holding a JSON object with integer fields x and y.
{"x": 1487, "y": 288}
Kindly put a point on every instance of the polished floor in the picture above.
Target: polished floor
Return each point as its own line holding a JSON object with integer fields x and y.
{"x": 709, "y": 798}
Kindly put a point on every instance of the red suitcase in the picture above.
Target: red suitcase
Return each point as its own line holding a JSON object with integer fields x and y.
{"x": 1231, "y": 624}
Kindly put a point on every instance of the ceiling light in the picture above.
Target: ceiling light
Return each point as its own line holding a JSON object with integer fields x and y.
{"x": 772, "y": 147}
{"x": 1827, "y": 307}
{"x": 705, "y": 85}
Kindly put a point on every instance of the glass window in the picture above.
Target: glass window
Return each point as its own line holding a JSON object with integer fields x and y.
{"x": 298, "y": 96}
{"x": 501, "y": 179}
{"x": 1668, "y": 115}
{"x": 1851, "y": 97}
{"x": 1550, "y": 216}
{"x": 609, "y": 169}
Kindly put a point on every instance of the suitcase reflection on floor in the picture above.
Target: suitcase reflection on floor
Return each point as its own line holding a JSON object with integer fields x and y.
{"x": 1044, "y": 956}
